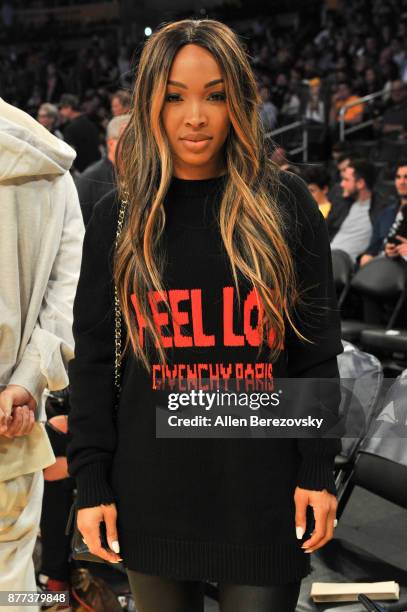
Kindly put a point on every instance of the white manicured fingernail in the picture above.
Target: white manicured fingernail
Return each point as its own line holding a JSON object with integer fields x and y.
{"x": 300, "y": 533}
{"x": 115, "y": 546}
{"x": 335, "y": 523}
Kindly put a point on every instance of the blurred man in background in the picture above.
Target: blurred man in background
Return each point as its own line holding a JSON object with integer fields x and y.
{"x": 120, "y": 103}
{"x": 99, "y": 178}
{"x": 79, "y": 132}
{"x": 342, "y": 97}
{"x": 390, "y": 230}
{"x": 48, "y": 116}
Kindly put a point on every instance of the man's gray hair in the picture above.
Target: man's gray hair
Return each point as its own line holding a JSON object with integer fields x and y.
{"x": 49, "y": 109}
{"x": 116, "y": 125}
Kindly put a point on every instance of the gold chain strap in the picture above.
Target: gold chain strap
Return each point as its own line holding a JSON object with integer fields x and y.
{"x": 117, "y": 312}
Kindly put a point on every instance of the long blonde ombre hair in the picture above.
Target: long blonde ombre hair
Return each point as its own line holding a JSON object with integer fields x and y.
{"x": 250, "y": 219}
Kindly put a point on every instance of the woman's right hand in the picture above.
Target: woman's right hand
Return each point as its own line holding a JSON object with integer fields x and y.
{"x": 89, "y": 520}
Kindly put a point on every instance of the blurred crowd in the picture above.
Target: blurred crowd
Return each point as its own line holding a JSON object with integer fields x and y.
{"x": 306, "y": 70}
{"x": 314, "y": 71}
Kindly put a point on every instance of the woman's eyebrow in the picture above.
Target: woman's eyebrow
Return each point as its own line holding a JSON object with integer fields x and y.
{"x": 210, "y": 84}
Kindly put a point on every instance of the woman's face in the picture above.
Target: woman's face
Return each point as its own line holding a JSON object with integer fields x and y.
{"x": 195, "y": 115}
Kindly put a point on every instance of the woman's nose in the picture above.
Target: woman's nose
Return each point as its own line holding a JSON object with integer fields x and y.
{"x": 195, "y": 115}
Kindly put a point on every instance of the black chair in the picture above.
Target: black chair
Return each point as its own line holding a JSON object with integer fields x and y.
{"x": 342, "y": 267}
{"x": 381, "y": 468}
{"x": 381, "y": 280}
{"x": 390, "y": 345}
{"x": 391, "y": 151}
{"x": 361, "y": 383}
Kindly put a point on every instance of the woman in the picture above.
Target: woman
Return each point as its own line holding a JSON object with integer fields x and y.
{"x": 207, "y": 215}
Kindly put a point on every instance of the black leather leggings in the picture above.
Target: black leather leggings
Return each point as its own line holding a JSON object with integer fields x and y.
{"x": 160, "y": 594}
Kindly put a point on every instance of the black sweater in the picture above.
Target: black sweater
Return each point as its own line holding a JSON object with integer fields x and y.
{"x": 214, "y": 509}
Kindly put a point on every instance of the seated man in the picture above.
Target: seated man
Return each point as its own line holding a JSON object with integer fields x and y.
{"x": 390, "y": 230}
{"x": 341, "y": 98}
{"x": 356, "y": 228}
{"x": 395, "y": 244}
{"x": 340, "y": 204}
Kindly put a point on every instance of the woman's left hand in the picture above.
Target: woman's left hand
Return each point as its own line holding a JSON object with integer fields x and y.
{"x": 324, "y": 506}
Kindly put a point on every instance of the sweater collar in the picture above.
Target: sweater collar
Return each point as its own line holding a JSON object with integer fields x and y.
{"x": 196, "y": 188}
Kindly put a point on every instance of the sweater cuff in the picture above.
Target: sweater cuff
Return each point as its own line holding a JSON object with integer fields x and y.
{"x": 317, "y": 473}
{"x": 28, "y": 375}
{"x": 93, "y": 487}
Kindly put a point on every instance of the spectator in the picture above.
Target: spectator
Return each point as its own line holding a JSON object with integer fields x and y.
{"x": 268, "y": 111}
{"x": 48, "y": 116}
{"x": 355, "y": 231}
{"x": 317, "y": 180}
{"x": 34, "y": 100}
{"x": 341, "y": 98}
{"x": 341, "y": 148}
{"x": 280, "y": 90}
{"x": 291, "y": 104}
{"x": 390, "y": 224}
{"x": 79, "y": 132}
{"x": 395, "y": 244}
{"x": 99, "y": 178}
{"x": 53, "y": 86}
{"x": 120, "y": 104}
{"x": 124, "y": 66}
{"x": 342, "y": 163}
{"x": 373, "y": 81}
{"x": 40, "y": 249}
{"x": 315, "y": 107}
{"x": 390, "y": 72}
{"x": 395, "y": 117}
{"x": 398, "y": 51}
{"x": 340, "y": 204}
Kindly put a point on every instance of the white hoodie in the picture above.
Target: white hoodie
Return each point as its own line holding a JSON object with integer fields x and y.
{"x": 41, "y": 234}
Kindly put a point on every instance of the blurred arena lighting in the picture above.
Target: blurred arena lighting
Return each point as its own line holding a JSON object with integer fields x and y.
{"x": 148, "y": 31}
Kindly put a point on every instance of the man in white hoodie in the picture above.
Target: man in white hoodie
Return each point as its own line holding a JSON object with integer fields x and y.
{"x": 41, "y": 234}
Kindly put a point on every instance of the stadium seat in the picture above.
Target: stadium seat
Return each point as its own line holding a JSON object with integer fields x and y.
{"x": 381, "y": 468}
{"x": 361, "y": 382}
{"x": 390, "y": 345}
{"x": 382, "y": 280}
{"x": 391, "y": 151}
{"x": 342, "y": 271}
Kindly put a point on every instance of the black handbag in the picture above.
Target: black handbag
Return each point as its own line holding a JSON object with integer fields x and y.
{"x": 80, "y": 551}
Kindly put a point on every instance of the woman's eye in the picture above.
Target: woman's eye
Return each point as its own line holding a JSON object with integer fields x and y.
{"x": 169, "y": 96}
{"x": 219, "y": 96}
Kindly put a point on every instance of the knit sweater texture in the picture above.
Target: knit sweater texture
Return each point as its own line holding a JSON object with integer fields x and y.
{"x": 199, "y": 508}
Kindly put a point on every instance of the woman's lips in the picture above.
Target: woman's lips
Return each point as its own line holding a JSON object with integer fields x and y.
{"x": 195, "y": 145}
